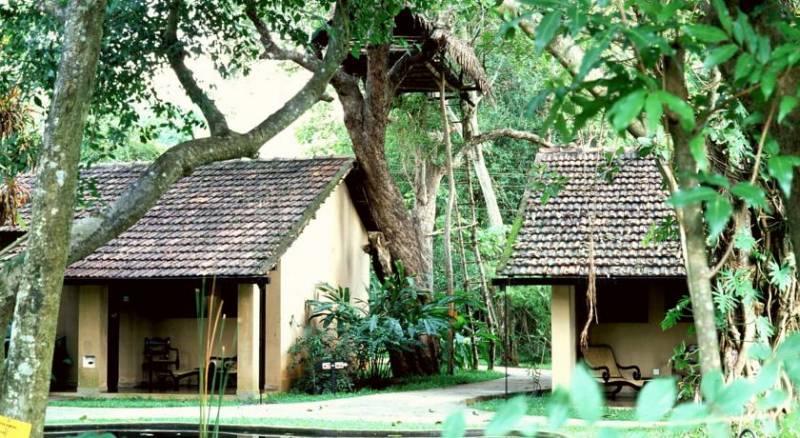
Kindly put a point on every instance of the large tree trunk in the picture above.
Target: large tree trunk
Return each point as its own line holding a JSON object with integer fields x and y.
{"x": 469, "y": 130}
{"x": 366, "y": 117}
{"x": 25, "y": 385}
{"x": 448, "y": 223}
{"x": 427, "y": 180}
{"x": 692, "y": 228}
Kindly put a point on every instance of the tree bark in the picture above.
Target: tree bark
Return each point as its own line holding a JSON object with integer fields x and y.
{"x": 692, "y": 228}
{"x": 427, "y": 180}
{"x": 448, "y": 222}
{"x": 366, "y": 117}
{"x": 25, "y": 385}
{"x": 470, "y": 129}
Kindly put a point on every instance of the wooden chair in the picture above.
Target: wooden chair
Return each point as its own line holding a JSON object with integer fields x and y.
{"x": 601, "y": 359}
{"x": 162, "y": 361}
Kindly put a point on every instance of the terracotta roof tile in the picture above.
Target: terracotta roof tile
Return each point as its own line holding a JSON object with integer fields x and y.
{"x": 233, "y": 218}
{"x": 553, "y": 240}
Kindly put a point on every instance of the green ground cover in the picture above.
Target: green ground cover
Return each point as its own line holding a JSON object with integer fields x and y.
{"x": 537, "y": 405}
{"x": 410, "y": 384}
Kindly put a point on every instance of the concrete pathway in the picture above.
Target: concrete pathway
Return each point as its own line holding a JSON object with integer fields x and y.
{"x": 426, "y": 406}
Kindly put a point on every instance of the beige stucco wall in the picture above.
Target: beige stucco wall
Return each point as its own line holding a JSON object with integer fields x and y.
{"x": 643, "y": 344}
{"x": 564, "y": 341}
{"x": 328, "y": 250}
{"x": 183, "y": 336}
{"x": 92, "y": 337}
{"x": 68, "y": 327}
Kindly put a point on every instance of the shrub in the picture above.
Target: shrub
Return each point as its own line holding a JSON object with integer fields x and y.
{"x": 308, "y": 354}
{"x": 363, "y": 334}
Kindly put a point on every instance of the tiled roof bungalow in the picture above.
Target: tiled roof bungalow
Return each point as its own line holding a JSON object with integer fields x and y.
{"x": 265, "y": 232}
{"x": 593, "y": 224}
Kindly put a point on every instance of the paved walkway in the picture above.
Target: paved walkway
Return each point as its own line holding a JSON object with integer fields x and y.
{"x": 425, "y": 406}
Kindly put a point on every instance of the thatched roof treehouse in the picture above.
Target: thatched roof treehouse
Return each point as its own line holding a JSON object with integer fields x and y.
{"x": 439, "y": 51}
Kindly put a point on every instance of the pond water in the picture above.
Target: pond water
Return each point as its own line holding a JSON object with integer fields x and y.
{"x": 182, "y": 432}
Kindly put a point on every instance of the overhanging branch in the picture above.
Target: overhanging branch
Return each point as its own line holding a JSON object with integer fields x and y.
{"x": 176, "y": 56}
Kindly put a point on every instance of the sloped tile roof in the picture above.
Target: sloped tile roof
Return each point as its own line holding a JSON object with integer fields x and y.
{"x": 553, "y": 240}
{"x": 233, "y": 218}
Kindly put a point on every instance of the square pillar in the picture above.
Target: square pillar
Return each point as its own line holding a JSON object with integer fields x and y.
{"x": 275, "y": 378}
{"x": 92, "y": 360}
{"x": 248, "y": 323}
{"x": 564, "y": 342}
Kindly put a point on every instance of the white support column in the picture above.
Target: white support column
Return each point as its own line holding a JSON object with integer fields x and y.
{"x": 248, "y": 322}
{"x": 92, "y": 359}
{"x": 564, "y": 343}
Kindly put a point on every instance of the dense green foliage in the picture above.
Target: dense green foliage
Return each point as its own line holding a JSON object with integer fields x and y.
{"x": 364, "y": 333}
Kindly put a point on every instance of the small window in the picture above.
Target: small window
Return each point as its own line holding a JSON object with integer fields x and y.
{"x": 622, "y": 303}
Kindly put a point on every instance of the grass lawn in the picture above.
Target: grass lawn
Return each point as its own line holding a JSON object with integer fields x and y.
{"x": 537, "y": 405}
{"x": 410, "y": 384}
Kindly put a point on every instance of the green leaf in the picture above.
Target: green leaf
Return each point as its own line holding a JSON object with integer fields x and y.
{"x": 547, "y": 30}
{"x": 764, "y": 49}
{"x": 507, "y": 417}
{"x": 682, "y": 198}
{"x": 743, "y": 239}
{"x": 656, "y": 399}
{"x": 587, "y": 400}
{"x": 781, "y": 167}
{"x": 759, "y": 351}
{"x": 786, "y": 106}
{"x": 793, "y": 371}
{"x": 558, "y": 408}
{"x": 768, "y": 81}
{"x": 591, "y": 58}
{"x": 714, "y": 179}
{"x": 723, "y": 14}
{"x": 626, "y": 109}
{"x": 706, "y": 33}
{"x": 752, "y": 194}
{"x": 711, "y": 385}
{"x": 697, "y": 146}
{"x": 732, "y": 398}
{"x": 680, "y": 108}
{"x": 744, "y": 65}
{"x": 455, "y": 426}
{"x": 686, "y": 412}
{"x": 772, "y": 400}
{"x": 789, "y": 349}
{"x": 767, "y": 376}
{"x": 577, "y": 18}
{"x": 720, "y": 55}
{"x": 654, "y": 110}
{"x": 718, "y": 213}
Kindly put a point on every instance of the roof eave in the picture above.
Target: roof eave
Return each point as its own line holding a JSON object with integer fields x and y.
{"x": 514, "y": 280}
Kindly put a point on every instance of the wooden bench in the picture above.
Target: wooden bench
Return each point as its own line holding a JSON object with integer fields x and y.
{"x": 601, "y": 359}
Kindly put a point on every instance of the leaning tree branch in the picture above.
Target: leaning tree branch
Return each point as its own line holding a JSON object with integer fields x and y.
{"x": 176, "y": 55}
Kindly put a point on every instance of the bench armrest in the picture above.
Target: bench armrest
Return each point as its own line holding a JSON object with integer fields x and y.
{"x": 606, "y": 372}
{"x": 637, "y": 373}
